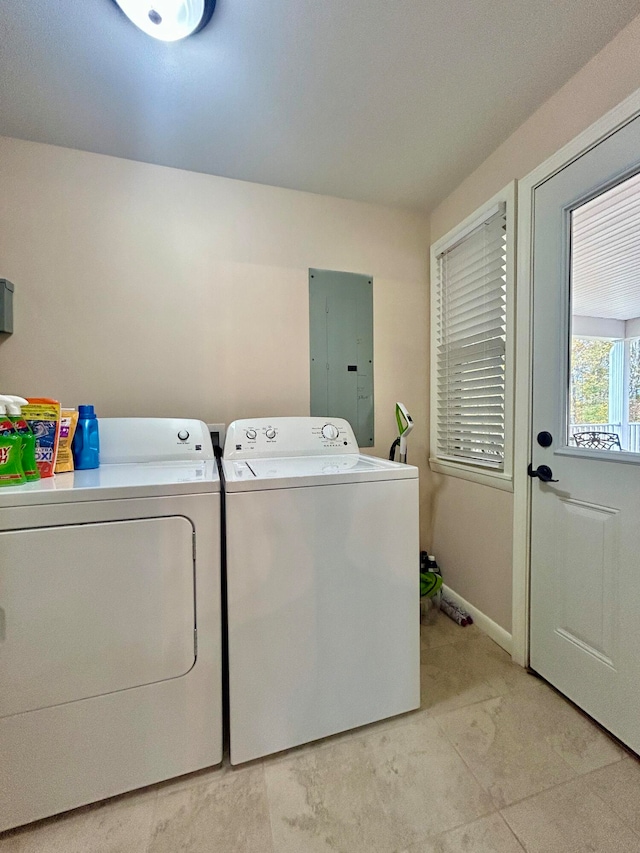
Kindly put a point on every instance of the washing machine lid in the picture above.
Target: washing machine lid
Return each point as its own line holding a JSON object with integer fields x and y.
{"x": 300, "y": 471}
{"x": 111, "y": 482}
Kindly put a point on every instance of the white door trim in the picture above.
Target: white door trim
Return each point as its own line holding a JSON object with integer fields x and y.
{"x": 601, "y": 129}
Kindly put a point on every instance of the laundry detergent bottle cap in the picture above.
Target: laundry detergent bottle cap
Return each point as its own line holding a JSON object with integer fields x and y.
{"x": 28, "y": 453}
{"x": 86, "y": 440}
{"x": 11, "y": 471}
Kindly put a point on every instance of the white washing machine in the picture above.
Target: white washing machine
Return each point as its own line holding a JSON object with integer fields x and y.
{"x": 322, "y": 584}
{"x": 110, "y": 622}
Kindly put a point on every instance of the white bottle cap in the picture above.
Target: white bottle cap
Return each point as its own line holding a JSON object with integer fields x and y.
{"x": 14, "y": 403}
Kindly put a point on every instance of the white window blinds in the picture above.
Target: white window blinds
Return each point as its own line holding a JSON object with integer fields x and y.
{"x": 470, "y": 326}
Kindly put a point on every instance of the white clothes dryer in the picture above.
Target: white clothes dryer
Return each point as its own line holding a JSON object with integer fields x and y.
{"x": 323, "y": 595}
{"x": 110, "y": 622}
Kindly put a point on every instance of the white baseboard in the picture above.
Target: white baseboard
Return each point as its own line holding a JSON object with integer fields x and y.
{"x": 497, "y": 633}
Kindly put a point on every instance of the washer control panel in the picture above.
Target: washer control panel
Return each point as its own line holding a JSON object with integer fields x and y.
{"x": 265, "y": 437}
{"x": 256, "y": 436}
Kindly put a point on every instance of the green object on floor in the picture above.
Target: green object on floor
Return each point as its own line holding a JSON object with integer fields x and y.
{"x": 430, "y": 583}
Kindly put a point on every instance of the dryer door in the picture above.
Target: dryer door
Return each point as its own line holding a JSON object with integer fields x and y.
{"x": 90, "y": 609}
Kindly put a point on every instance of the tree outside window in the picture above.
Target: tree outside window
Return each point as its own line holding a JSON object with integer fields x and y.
{"x": 590, "y": 359}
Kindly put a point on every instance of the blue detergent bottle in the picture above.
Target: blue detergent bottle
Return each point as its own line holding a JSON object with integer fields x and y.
{"x": 86, "y": 440}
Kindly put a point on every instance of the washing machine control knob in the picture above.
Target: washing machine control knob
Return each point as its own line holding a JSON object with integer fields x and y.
{"x": 330, "y": 432}
{"x": 183, "y": 435}
{"x": 251, "y": 434}
{"x": 270, "y": 433}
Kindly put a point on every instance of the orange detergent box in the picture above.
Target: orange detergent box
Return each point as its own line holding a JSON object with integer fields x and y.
{"x": 43, "y": 416}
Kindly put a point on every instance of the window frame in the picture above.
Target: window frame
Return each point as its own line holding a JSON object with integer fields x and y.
{"x": 498, "y": 479}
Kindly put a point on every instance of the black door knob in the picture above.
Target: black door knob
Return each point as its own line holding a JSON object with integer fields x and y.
{"x": 543, "y": 472}
{"x": 544, "y": 439}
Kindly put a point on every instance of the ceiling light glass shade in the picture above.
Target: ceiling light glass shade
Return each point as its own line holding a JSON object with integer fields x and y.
{"x": 168, "y": 20}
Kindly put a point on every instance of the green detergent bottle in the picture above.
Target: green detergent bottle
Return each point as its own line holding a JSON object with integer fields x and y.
{"x": 28, "y": 453}
{"x": 11, "y": 472}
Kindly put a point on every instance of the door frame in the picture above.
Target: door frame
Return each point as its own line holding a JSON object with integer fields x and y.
{"x": 612, "y": 121}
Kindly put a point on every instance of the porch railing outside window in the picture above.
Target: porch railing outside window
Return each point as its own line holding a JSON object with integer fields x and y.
{"x": 633, "y": 432}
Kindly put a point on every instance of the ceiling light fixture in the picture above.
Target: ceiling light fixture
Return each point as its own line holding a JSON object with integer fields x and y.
{"x": 168, "y": 20}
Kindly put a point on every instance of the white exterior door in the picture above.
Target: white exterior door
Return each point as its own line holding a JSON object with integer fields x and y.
{"x": 585, "y": 557}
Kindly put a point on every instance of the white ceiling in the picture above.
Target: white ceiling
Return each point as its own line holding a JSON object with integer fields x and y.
{"x": 390, "y": 101}
{"x": 605, "y": 254}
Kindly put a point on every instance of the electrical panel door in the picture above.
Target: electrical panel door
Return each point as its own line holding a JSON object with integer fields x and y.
{"x": 341, "y": 343}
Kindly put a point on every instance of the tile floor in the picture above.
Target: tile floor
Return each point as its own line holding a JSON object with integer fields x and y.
{"x": 493, "y": 762}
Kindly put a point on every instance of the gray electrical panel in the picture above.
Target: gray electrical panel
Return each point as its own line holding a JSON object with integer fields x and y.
{"x": 341, "y": 343}
{"x": 6, "y": 306}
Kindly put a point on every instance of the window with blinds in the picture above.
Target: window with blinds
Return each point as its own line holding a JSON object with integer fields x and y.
{"x": 470, "y": 344}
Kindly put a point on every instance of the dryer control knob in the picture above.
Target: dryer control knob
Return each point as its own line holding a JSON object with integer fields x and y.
{"x": 330, "y": 432}
{"x": 251, "y": 434}
{"x": 183, "y": 435}
{"x": 270, "y": 433}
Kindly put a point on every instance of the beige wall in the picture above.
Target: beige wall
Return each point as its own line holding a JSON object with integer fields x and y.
{"x": 154, "y": 291}
{"x": 472, "y": 524}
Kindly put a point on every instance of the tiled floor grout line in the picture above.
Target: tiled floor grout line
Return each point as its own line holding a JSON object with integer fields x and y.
{"x": 578, "y": 777}
{"x": 152, "y": 823}
{"x": 269, "y": 809}
{"x": 453, "y": 643}
{"x": 581, "y": 775}
{"x": 435, "y": 715}
{"x": 500, "y": 808}
{"x": 519, "y": 841}
{"x": 363, "y": 732}
{"x": 512, "y": 830}
{"x": 426, "y": 648}
{"x": 542, "y": 791}
{"x": 462, "y": 758}
{"x": 577, "y": 774}
{"x": 608, "y": 805}
{"x": 458, "y": 826}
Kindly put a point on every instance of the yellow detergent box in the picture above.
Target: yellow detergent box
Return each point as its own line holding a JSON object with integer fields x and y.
{"x": 68, "y": 423}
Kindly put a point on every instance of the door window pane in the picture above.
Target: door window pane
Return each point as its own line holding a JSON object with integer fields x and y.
{"x": 604, "y": 388}
{"x": 634, "y": 395}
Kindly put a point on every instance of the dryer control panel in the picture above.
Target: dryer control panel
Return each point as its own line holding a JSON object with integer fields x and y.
{"x": 128, "y": 440}
{"x": 261, "y": 438}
